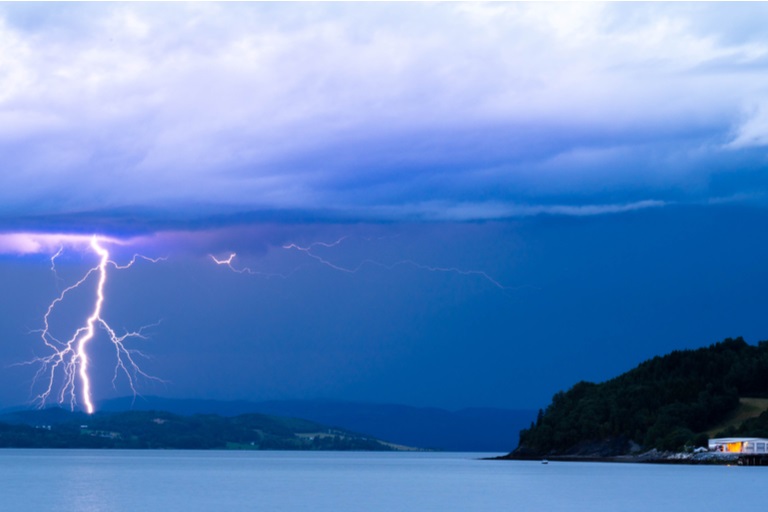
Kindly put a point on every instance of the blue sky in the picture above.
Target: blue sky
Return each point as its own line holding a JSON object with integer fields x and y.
{"x": 523, "y": 195}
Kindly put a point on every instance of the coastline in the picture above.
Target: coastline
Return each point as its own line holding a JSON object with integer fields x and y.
{"x": 652, "y": 457}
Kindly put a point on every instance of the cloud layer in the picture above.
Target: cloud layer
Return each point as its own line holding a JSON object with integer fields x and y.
{"x": 374, "y": 111}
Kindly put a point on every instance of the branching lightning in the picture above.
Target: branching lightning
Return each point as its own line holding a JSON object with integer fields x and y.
{"x": 63, "y": 374}
{"x": 228, "y": 262}
{"x": 69, "y": 360}
{"x": 309, "y": 251}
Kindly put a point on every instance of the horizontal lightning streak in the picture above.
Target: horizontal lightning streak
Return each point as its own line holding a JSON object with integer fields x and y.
{"x": 352, "y": 270}
{"x": 228, "y": 262}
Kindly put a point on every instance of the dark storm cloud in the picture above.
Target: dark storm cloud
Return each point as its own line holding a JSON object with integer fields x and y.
{"x": 175, "y": 112}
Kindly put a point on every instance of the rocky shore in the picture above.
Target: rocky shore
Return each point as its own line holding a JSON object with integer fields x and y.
{"x": 650, "y": 457}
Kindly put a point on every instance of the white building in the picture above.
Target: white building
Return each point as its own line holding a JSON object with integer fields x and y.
{"x": 747, "y": 445}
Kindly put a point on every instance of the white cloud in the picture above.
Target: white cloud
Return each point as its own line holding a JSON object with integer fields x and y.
{"x": 753, "y": 131}
{"x": 492, "y": 210}
{"x": 280, "y": 106}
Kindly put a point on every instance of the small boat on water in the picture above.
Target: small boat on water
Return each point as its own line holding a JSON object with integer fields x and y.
{"x": 544, "y": 461}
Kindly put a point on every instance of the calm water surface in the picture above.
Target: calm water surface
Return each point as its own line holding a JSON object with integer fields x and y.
{"x": 167, "y": 481}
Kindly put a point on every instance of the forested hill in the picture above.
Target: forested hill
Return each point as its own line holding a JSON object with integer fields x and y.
{"x": 58, "y": 428}
{"x": 668, "y": 402}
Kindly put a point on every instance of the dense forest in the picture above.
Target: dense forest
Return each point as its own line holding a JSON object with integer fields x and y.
{"x": 57, "y": 428}
{"x": 668, "y": 403}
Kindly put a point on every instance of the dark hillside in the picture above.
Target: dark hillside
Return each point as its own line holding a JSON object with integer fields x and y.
{"x": 667, "y": 403}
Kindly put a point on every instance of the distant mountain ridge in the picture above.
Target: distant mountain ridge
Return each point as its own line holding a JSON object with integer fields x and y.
{"x": 59, "y": 428}
{"x": 476, "y": 429}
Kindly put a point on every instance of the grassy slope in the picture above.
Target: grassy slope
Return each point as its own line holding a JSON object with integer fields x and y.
{"x": 748, "y": 408}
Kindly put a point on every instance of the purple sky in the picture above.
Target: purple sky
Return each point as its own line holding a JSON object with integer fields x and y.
{"x": 379, "y": 111}
{"x": 525, "y": 195}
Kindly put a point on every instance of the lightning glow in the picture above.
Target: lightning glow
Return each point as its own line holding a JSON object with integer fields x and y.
{"x": 69, "y": 359}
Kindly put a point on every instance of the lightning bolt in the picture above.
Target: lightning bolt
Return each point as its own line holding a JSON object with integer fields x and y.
{"x": 53, "y": 264}
{"x": 228, "y": 262}
{"x": 353, "y": 270}
{"x": 69, "y": 359}
{"x": 308, "y": 250}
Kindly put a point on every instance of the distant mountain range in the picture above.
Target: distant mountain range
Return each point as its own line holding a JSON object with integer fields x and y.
{"x": 480, "y": 429}
{"x": 60, "y": 428}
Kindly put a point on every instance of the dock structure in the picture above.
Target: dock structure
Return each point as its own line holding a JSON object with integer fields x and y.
{"x": 759, "y": 459}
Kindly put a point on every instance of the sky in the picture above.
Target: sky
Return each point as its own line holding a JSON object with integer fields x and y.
{"x": 434, "y": 204}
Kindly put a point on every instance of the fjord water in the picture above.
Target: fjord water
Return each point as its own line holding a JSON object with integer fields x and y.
{"x": 168, "y": 481}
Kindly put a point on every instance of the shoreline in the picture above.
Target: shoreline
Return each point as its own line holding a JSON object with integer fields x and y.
{"x": 652, "y": 457}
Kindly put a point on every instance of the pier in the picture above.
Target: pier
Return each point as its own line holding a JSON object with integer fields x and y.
{"x": 759, "y": 459}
